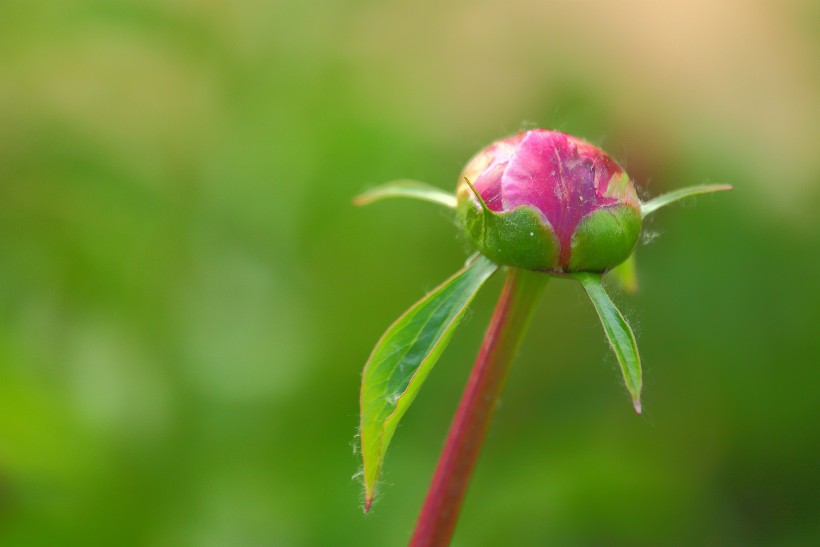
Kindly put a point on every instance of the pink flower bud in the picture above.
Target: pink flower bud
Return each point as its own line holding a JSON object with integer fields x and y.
{"x": 549, "y": 201}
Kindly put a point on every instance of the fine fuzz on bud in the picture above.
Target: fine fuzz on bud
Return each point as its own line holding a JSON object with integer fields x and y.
{"x": 544, "y": 200}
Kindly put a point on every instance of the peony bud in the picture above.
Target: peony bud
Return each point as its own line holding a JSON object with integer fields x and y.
{"x": 543, "y": 200}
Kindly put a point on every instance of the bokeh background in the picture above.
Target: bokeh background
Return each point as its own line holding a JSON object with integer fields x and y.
{"x": 187, "y": 295}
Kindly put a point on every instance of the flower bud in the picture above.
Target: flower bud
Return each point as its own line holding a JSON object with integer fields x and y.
{"x": 543, "y": 200}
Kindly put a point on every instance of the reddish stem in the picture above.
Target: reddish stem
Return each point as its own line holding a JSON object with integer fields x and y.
{"x": 439, "y": 515}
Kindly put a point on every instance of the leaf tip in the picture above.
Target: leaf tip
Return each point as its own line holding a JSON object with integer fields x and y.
{"x": 362, "y": 200}
{"x": 636, "y": 403}
{"x": 367, "y": 503}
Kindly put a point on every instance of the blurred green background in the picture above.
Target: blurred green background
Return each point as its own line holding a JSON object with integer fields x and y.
{"x": 187, "y": 295}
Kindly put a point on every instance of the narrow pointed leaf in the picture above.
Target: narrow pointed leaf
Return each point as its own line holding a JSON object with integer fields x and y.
{"x": 407, "y": 189}
{"x": 618, "y": 334}
{"x": 626, "y": 274}
{"x": 403, "y": 358}
{"x": 480, "y": 199}
{"x": 665, "y": 199}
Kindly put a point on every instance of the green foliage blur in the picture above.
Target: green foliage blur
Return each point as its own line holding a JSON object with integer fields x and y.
{"x": 187, "y": 295}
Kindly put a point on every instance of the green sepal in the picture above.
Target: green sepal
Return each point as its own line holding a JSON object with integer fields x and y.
{"x": 604, "y": 238}
{"x": 403, "y": 358}
{"x": 665, "y": 199}
{"x": 618, "y": 333}
{"x": 521, "y": 237}
{"x": 411, "y": 189}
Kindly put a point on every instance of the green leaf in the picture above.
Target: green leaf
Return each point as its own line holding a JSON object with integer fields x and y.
{"x": 403, "y": 358}
{"x": 407, "y": 189}
{"x": 665, "y": 199}
{"x": 626, "y": 274}
{"x": 618, "y": 333}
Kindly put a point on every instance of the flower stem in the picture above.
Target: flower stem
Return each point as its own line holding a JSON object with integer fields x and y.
{"x": 512, "y": 314}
